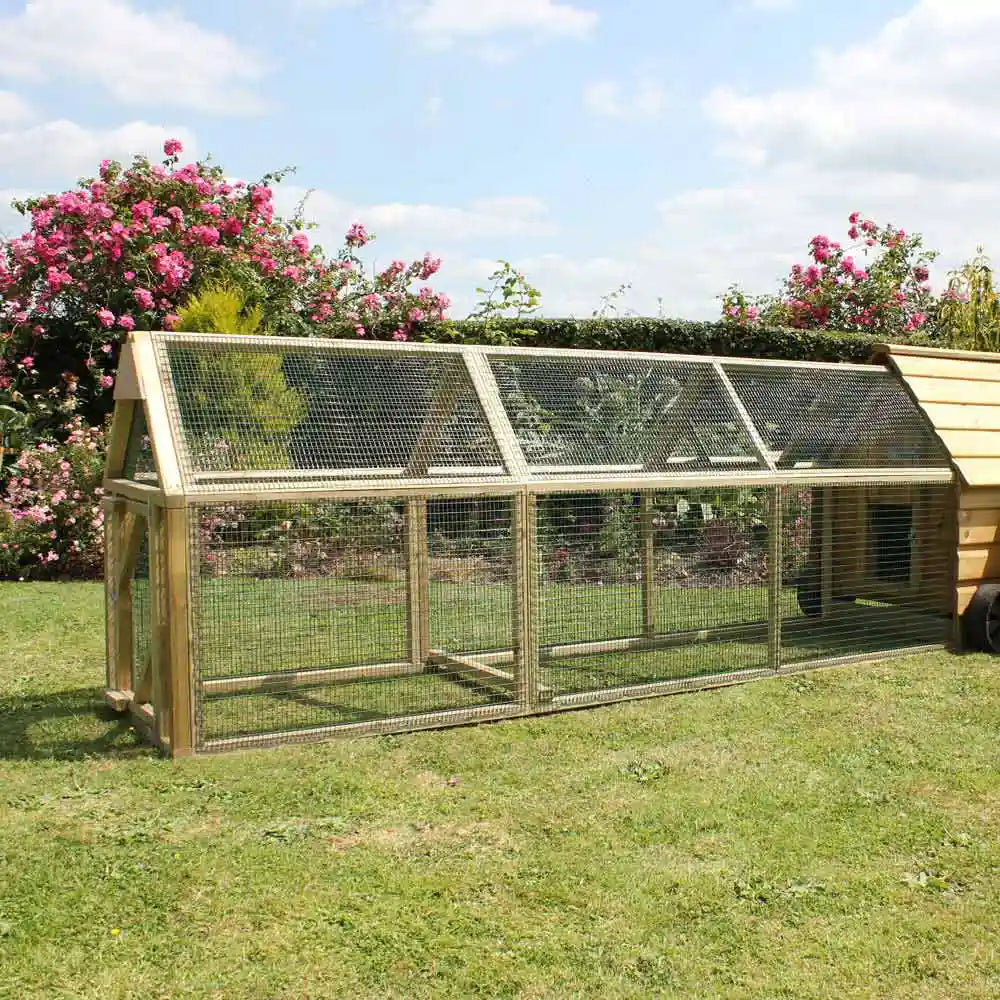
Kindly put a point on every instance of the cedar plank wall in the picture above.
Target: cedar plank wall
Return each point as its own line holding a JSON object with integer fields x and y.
{"x": 960, "y": 393}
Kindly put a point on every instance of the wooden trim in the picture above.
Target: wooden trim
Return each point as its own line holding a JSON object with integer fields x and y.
{"x": 134, "y": 491}
{"x": 418, "y": 582}
{"x": 118, "y": 438}
{"x": 496, "y": 413}
{"x": 128, "y": 384}
{"x": 159, "y": 623}
{"x": 335, "y": 346}
{"x": 914, "y": 350}
{"x": 776, "y": 515}
{"x": 759, "y": 443}
{"x": 318, "y": 677}
{"x": 647, "y": 554}
{"x": 446, "y": 396}
{"x": 165, "y": 448}
{"x": 182, "y": 717}
{"x": 376, "y": 727}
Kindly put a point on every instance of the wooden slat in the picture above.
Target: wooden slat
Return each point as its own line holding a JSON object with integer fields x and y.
{"x": 975, "y": 499}
{"x": 182, "y": 739}
{"x": 964, "y": 416}
{"x": 320, "y": 677}
{"x": 963, "y": 597}
{"x": 948, "y": 368}
{"x": 121, "y": 426}
{"x": 979, "y": 527}
{"x": 157, "y": 420}
{"x": 901, "y": 350}
{"x": 979, "y": 471}
{"x": 971, "y": 444}
{"x": 978, "y": 563}
{"x": 949, "y": 390}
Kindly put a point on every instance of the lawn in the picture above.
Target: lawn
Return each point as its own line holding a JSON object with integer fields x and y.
{"x": 833, "y": 834}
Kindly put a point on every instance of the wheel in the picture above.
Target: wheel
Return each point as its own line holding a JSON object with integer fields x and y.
{"x": 809, "y": 598}
{"x": 981, "y": 621}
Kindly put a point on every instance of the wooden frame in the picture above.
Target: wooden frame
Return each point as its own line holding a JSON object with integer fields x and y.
{"x": 163, "y": 697}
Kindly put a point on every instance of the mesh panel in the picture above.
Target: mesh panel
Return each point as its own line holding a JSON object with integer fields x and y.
{"x": 139, "y": 464}
{"x": 621, "y": 413}
{"x": 703, "y": 612}
{"x": 824, "y": 418}
{"x": 865, "y": 570}
{"x": 263, "y": 414}
{"x": 325, "y": 614}
{"x": 141, "y": 612}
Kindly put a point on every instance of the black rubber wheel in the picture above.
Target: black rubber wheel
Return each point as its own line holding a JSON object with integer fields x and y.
{"x": 809, "y": 598}
{"x": 981, "y": 621}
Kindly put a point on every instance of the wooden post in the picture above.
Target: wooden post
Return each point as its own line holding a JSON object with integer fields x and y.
{"x": 647, "y": 555}
{"x": 524, "y": 541}
{"x": 775, "y": 519}
{"x": 114, "y": 515}
{"x": 826, "y": 556}
{"x": 159, "y": 639}
{"x": 418, "y": 582}
{"x": 178, "y": 629}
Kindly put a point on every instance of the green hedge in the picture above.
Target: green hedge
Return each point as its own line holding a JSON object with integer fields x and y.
{"x": 668, "y": 336}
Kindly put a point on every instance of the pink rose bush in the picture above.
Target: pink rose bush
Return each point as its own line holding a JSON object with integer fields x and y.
{"x": 126, "y": 249}
{"x": 51, "y": 522}
{"x": 879, "y": 284}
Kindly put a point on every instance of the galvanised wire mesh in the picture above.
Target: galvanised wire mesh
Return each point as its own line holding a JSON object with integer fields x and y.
{"x": 825, "y": 418}
{"x": 263, "y": 414}
{"x": 865, "y": 569}
{"x": 702, "y": 611}
{"x": 139, "y": 462}
{"x": 471, "y": 574}
{"x": 331, "y": 613}
{"x": 621, "y": 413}
{"x": 141, "y": 612}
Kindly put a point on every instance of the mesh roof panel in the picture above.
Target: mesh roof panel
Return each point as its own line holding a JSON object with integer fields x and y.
{"x": 825, "y": 418}
{"x": 637, "y": 414}
{"x": 269, "y": 414}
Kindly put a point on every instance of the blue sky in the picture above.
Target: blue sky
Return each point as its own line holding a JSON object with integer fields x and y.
{"x": 675, "y": 146}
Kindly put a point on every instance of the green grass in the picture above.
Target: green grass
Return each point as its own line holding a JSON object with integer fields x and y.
{"x": 832, "y": 834}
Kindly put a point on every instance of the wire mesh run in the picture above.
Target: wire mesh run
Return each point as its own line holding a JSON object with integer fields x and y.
{"x": 621, "y": 414}
{"x": 337, "y": 613}
{"x": 263, "y": 414}
{"x": 865, "y": 570}
{"x": 825, "y": 418}
{"x": 641, "y": 588}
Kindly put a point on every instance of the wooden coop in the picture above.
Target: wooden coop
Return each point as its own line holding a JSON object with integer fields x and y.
{"x": 313, "y": 537}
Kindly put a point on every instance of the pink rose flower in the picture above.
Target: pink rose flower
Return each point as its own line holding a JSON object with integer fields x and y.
{"x": 172, "y": 147}
{"x": 106, "y": 318}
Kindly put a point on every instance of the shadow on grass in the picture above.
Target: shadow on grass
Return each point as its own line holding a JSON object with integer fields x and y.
{"x": 65, "y": 725}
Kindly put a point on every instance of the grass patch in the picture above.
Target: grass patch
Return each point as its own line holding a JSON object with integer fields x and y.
{"x": 827, "y": 835}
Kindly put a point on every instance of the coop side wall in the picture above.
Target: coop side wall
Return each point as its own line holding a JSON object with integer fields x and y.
{"x": 978, "y": 552}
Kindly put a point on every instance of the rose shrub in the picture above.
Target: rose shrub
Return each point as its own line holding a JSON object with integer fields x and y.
{"x": 125, "y": 251}
{"x": 51, "y": 522}
{"x": 885, "y": 291}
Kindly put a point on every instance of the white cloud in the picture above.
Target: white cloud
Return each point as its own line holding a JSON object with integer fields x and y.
{"x": 58, "y": 151}
{"x": 154, "y": 58}
{"x": 13, "y": 108}
{"x": 420, "y": 226}
{"x": 443, "y": 22}
{"x": 647, "y": 98}
{"x": 12, "y": 223}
